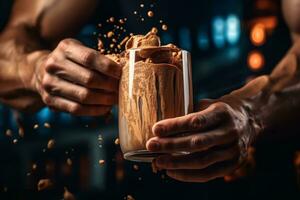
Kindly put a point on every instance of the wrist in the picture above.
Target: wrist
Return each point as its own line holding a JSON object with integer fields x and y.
{"x": 248, "y": 108}
{"x": 33, "y": 71}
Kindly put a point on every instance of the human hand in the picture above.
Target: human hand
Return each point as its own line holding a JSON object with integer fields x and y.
{"x": 217, "y": 139}
{"x": 78, "y": 80}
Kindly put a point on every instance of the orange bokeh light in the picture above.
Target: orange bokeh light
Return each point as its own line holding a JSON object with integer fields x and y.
{"x": 256, "y": 61}
{"x": 258, "y": 34}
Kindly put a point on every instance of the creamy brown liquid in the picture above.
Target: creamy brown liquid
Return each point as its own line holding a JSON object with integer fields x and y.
{"x": 150, "y": 90}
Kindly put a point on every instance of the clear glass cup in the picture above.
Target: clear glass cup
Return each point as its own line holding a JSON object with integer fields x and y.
{"x": 156, "y": 84}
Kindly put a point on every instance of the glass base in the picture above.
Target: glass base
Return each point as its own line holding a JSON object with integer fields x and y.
{"x": 147, "y": 156}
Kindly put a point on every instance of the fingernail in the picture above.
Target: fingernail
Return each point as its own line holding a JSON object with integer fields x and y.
{"x": 154, "y": 146}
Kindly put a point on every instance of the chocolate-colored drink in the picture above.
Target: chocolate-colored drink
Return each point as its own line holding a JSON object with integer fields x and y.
{"x": 155, "y": 85}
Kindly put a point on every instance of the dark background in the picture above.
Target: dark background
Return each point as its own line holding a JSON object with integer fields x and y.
{"x": 220, "y": 65}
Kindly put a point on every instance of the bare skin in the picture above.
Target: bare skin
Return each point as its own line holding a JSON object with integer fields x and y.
{"x": 40, "y": 66}
{"x": 219, "y": 135}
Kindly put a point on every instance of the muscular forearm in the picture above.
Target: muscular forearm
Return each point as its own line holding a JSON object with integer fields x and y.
{"x": 273, "y": 101}
{"x": 21, "y": 52}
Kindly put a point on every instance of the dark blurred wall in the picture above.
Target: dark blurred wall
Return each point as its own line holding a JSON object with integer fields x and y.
{"x": 5, "y": 7}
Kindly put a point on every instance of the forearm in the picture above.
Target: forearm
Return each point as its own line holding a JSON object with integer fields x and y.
{"x": 21, "y": 52}
{"x": 273, "y": 101}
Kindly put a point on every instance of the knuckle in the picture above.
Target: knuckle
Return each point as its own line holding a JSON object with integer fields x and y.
{"x": 110, "y": 67}
{"x": 233, "y": 132}
{"x": 106, "y": 64}
{"x": 65, "y": 43}
{"x": 223, "y": 109}
{"x": 89, "y": 79}
{"x": 221, "y": 106}
{"x": 47, "y": 99}
{"x": 196, "y": 142}
{"x": 50, "y": 63}
{"x": 46, "y": 83}
{"x": 198, "y": 120}
{"x": 88, "y": 57}
{"x": 84, "y": 95}
{"x": 75, "y": 109}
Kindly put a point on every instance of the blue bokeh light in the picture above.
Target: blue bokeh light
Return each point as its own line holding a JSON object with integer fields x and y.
{"x": 65, "y": 118}
{"x": 203, "y": 40}
{"x": 233, "y": 29}
{"x": 218, "y": 31}
{"x": 44, "y": 115}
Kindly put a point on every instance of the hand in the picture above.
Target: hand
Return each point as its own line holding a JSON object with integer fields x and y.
{"x": 78, "y": 80}
{"x": 216, "y": 138}
{"x": 246, "y": 170}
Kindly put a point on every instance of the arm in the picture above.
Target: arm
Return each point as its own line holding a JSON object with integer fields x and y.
{"x": 39, "y": 67}
{"x": 219, "y": 136}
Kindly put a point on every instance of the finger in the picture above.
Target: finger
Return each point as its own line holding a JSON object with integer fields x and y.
{"x": 72, "y": 107}
{"x": 192, "y": 143}
{"x": 197, "y": 160}
{"x": 237, "y": 174}
{"x": 67, "y": 90}
{"x": 203, "y": 175}
{"x": 212, "y": 116}
{"x": 90, "y": 58}
{"x": 74, "y": 72}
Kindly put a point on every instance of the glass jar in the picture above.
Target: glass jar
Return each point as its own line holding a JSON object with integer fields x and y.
{"x": 156, "y": 84}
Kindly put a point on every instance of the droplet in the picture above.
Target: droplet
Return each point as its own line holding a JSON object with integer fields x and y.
{"x": 110, "y": 34}
{"x": 47, "y": 125}
{"x": 150, "y": 13}
{"x": 136, "y": 167}
{"x": 51, "y": 144}
{"x": 69, "y": 161}
{"x": 34, "y": 166}
{"x": 21, "y": 132}
{"x": 117, "y": 140}
{"x": 100, "y": 45}
{"x": 68, "y": 195}
{"x": 129, "y": 197}
{"x": 164, "y": 27}
{"x": 101, "y": 162}
{"x": 8, "y": 133}
{"x": 154, "y": 30}
{"x": 121, "y": 21}
{"x": 111, "y": 19}
{"x": 44, "y": 184}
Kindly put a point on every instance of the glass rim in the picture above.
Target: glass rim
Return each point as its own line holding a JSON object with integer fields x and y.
{"x": 154, "y": 47}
